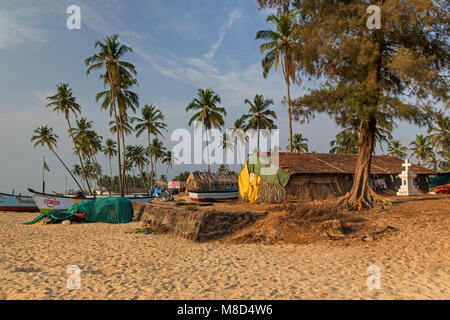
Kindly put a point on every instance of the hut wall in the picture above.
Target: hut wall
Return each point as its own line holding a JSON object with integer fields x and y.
{"x": 318, "y": 186}
{"x": 269, "y": 193}
{"x": 309, "y": 187}
{"x": 306, "y": 187}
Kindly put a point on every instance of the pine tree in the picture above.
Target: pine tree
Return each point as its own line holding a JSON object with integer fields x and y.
{"x": 367, "y": 72}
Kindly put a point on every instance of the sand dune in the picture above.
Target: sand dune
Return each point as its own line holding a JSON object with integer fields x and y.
{"x": 414, "y": 264}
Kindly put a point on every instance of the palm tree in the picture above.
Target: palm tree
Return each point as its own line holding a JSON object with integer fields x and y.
{"x": 64, "y": 102}
{"x": 152, "y": 122}
{"x": 110, "y": 150}
{"x": 299, "y": 143}
{"x": 118, "y": 75}
{"x": 346, "y": 143}
{"x": 169, "y": 159}
{"x": 45, "y": 136}
{"x": 281, "y": 46}
{"x": 440, "y": 133}
{"x": 227, "y": 144}
{"x": 259, "y": 116}
{"x": 129, "y": 158}
{"x": 157, "y": 151}
{"x": 397, "y": 149}
{"x": 79, "y": 172}
{"x": 83, "y": 135}
{"x": 422, "y": 150}
{"x": 238, "y": 136}
{"x": 88, "y": 143}
{"x": 124, "y": 126}
{"x": 208, "y": 113}
{"x": 444, "y": 162}
{"x": 140, "y": 159}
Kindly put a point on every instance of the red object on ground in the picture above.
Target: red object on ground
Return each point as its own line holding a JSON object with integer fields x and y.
{"x": 444, "y": 189}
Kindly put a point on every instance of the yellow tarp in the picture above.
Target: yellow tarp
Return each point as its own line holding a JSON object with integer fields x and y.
{"x": 248, "y": 185}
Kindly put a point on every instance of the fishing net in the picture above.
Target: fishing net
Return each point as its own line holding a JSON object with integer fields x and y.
{"x": 107, "y": 210}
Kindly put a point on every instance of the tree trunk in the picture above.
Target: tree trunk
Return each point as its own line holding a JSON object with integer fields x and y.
{"x": 123, "y": 157}
{"x": 151, "y": 158}
{"x": 118, "y": 147}
{"x": 134, "y": 179}
{"x": 257, "y": 149}
{"x": 362, "y": 196}
{"x": 207, "y": 151}
{"x": 67, "y": 169}
{"x": 125, "y": 183}
{"x": 239, "y": 154}
{"x": 113, "y": 106}
{"x": 110, "y": 172}
{"x": 288, "y": 90}
{"x": 154, "y": 169}
{"x": 79, "y": 156}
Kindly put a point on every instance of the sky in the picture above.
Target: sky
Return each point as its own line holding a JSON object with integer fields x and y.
{"x": 179, "y": 47}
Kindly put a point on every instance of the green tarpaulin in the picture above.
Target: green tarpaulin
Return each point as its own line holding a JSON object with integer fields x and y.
{"x": 438, "y": 180}
{"x": 108, "y": 210}
{"x": 268, "y": 171}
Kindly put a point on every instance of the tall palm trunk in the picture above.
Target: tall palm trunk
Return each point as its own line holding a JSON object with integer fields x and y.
{"x": 150, "y": 156}
{"x": 118, "y": 157}
{"x": 207, "y": 150}
{"x": 70, "y": 172}
{"x": 122, "y": 134}
{"x": 110, "y": 172}
{"x": 123, "y": 157}
{"x": 286, "y": 77}
{"x": 79, "y": 156}
{"x": 239, "y": 153}
{"x": 258, "y": 142}
{"x": 134, "y": 178}
{"x": 113, "y": 106}
{"x": 154, "y": 169}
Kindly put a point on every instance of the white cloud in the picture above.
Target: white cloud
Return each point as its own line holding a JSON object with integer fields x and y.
{"x": 98, "y": 17}
{"x": 20, "y": 26}
{"x": 234, "y": 15}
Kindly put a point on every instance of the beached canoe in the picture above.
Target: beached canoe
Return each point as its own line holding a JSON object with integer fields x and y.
{"x": 10, "y": 202}
{"x": 47, "y": 202}
{"x": 214, "y": 195}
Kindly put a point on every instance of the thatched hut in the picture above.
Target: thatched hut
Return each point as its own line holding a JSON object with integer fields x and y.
{"x": 310, "y": 176}
{"x": 198, "y": 181}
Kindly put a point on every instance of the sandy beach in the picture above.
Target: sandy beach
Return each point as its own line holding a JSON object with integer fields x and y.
{"x": 414, "y": 262}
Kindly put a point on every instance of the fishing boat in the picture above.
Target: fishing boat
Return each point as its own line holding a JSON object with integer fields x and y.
{"x": 214, "y": 195}
{"x": 212, "y": 187}
{"x": 48, "y": 202}
{"x": 10, "y": 202}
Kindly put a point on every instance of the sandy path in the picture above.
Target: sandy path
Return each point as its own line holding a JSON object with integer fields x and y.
{"x": 117, "y": 265}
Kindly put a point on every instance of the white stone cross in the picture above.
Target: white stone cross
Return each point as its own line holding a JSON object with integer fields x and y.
{"x": 406, "y": 165}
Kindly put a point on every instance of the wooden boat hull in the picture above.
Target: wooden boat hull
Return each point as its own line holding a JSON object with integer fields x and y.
{"x": 214, "y": 195}
{"x": 9, "y": 202}
{"x": 47, "y": 202}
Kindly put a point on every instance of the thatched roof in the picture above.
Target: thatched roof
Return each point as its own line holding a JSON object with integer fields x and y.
{"x": 211, "y": 181}
{"x": 338, "y": 163}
